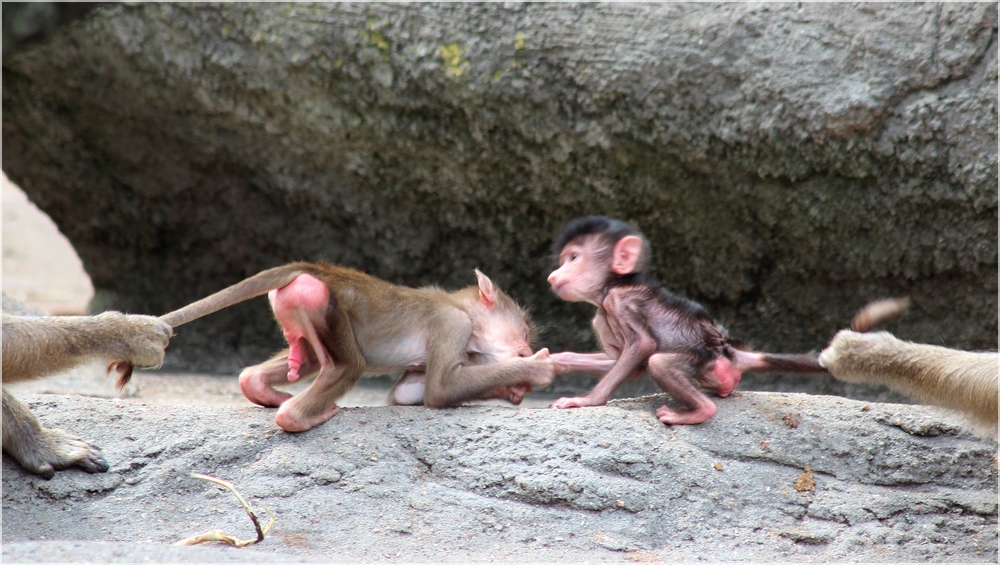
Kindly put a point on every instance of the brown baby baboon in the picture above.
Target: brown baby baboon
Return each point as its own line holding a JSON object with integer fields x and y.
{"x": 468, "y": 344}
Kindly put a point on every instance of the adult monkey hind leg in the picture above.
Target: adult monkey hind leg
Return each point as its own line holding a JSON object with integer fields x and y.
{"x": 43, "y": 451}
{"x": 34, "y": 347}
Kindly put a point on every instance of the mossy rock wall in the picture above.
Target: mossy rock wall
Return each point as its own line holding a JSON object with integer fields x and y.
{"x": 788, "y": 162}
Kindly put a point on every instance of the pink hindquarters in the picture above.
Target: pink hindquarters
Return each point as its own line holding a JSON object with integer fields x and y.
{"x": 727, "y": 376}
{"x": 300, "y": 306}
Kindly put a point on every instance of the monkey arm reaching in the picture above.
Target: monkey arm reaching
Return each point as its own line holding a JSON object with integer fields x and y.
{"x": 594, "y": 363}
{"x": 34, "y": 347}
{"x": 502, "y": 379}
{"x": 410, "y": 387}
{"x": 451, "y": 378}
{"x": 958, "y": 380}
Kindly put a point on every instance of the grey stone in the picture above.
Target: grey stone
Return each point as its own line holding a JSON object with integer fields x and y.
{"x": 789, "y": 162}
{"x": 482, "y": 483}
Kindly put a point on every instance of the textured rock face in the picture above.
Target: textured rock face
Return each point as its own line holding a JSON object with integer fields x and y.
{"x": 773, "y": 477}
{"x": 788, "y": 162}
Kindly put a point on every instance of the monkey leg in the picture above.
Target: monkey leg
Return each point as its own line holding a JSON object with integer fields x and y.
{"x": 300, "y": 307}
{"x": 409, "y": 389}
{"x": 341, "y": 364}
{"x": 257, "y": 382}
{"x": 34, "y": 347}
{"x": 508, "y": 380}
{"x": 318, "y": 403}
{"x": 43, "y": 451}
{"x": 675, "y": 374}
{"x": 957, "y": 380}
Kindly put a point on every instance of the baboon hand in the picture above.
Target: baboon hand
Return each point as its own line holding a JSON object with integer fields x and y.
{"x": 513, "y": 393}
{"x": 143, "y": 339}
{"x": 547, "y": 368}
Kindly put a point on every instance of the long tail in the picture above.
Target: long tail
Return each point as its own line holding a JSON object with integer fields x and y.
{"x": 791, "y": 363}
{"x": 257, "y": 285}
{"x": 759, "y": 362}
{"x": 878, "y": 313}
{"x": 873, "y": 314}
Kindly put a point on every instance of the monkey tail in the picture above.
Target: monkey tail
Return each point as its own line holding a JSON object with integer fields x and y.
{"x": 257, "y": 285}
{"x": 878, "y": 313}
{"x": 791, "y": 363}
{"x": 759, "y": 362}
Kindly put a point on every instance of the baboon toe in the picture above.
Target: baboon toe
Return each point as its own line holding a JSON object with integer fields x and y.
{"x": 44, "y": 470}
{"x": 71, "y": 451}
{"x": 92, "y": 461}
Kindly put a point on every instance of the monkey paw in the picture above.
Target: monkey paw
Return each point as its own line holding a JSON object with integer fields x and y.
{"x": 291, "y": 419}
{"x": 150, "y": 337}
{"x": 516, "y": 393}
{"x": 544, "y": 369}
{"x": 845, "y": 351}
{"x": 256, "y": 388}
{"x": 577, "y": 402}
{"x": 132, "y": 339}
{"x": 54, "y": 450}
{"x": 513, "y": 394}
{"x": 668, "y": 415}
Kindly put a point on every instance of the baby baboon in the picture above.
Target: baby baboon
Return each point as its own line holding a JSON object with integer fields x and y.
{"x": 469, "y": 344}
{"x": 642, "y": 327}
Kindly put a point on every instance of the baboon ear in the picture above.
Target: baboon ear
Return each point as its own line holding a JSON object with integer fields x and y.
{"x": 487, "y": 291}
{"x": 626, "y": 255}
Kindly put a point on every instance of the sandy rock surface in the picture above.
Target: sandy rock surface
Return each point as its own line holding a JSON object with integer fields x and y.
{"x": 884, "y": 483}
{"x": 773, "y": 477}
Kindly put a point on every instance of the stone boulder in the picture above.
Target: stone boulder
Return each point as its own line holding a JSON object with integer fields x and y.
{"x": 773, "y": 477}
{"x": 788, "y": 162}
